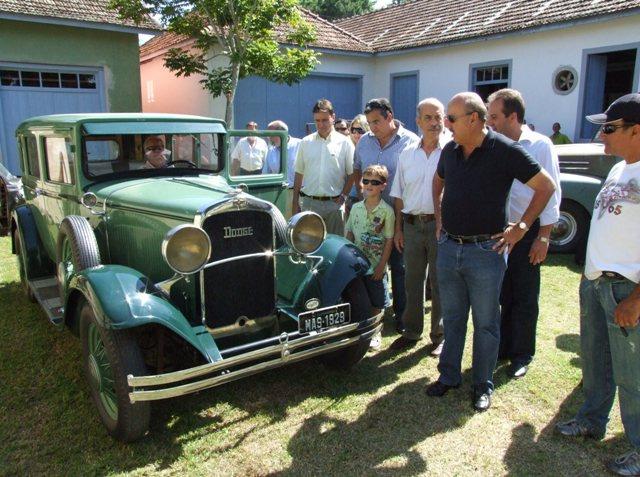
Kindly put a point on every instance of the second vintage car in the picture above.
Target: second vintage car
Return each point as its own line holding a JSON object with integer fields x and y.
{"x": 176, "y": 279}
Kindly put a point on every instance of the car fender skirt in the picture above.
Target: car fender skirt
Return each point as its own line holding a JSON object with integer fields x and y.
{"x": 122, "y": 297}
{"x": 37, "y": 263}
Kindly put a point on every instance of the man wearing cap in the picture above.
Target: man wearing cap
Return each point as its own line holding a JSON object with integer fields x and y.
{"x": 609, "y": 291}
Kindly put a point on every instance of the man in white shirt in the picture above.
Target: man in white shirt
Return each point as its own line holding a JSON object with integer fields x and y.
{"x": 521, "y": 283}
{"x": 325, "y": 163}
{"x": 610, "y": 291}
{"x": 272, "y": 163}
{"x": 249, "y": 154}
{"x": 415, "y": 233}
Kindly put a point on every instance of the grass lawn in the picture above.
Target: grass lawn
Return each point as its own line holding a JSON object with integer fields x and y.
{"x": 302, "y": 419}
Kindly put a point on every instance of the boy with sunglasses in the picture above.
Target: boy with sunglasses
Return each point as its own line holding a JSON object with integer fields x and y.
{"x": 610, "y": 291}
{"x": 371, "y": 226}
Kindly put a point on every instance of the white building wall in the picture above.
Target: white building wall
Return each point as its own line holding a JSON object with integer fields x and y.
{"x": 534, "y": 58}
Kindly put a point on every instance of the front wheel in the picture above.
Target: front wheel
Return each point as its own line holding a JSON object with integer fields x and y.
{"x": 108, "y": 357}
{"x": 344, "y": 359}
{"x": 571, "y": 228}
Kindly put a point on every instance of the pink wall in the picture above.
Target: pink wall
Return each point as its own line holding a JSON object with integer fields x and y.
{"x": 163, "y": 92}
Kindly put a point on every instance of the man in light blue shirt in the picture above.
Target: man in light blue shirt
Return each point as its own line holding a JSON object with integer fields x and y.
{"x": 383, "y": 145}
{"x": 272, "y": 162}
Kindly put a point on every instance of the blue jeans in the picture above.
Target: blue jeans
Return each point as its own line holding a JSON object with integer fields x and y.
{"x": 469, "y": 277}
{"x": 396, "y": 264}
{"x": 609, "y": 358}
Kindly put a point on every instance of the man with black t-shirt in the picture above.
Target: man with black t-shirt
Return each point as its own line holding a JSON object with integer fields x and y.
{"x": 470, "y": 190}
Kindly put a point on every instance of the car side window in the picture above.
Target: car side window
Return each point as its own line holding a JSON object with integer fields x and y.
{"x": 60, "y": 159}
{"x": 31, "y": 151}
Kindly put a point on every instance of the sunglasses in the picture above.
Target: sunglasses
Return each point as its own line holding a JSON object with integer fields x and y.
{"x": 374, "y": 182}
{"x": 357, "y": 131}
{"x": 611, "y": 128}
{"x": 452, "y": 119}
{"x": 155, "y": 148}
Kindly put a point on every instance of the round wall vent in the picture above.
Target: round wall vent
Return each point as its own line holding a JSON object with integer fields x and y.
{"x": 565, "y": 80}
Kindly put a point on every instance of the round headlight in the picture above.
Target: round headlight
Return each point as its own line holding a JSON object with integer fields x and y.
{"x": 306, "y": 232}
{"x": 186, "y": 249}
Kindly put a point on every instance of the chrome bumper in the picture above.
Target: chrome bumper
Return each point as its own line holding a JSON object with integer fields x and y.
{"x": 284, "y": 352}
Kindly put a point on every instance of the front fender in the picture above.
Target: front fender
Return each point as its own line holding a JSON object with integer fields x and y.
{"x": 580, "y": 189}
{"x": 342, "y": 262}
{"x": 122, "y": 298}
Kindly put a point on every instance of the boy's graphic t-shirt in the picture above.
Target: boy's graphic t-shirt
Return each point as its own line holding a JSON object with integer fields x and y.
{"x": 371, "y": 229}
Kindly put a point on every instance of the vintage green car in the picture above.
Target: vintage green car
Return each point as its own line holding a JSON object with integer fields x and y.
{"x": 583, "y": 169}
{"x": 175, "y": 278}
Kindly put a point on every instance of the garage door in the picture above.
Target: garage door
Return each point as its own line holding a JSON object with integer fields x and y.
{"x": 34, "y": 91}
{"x": 262, "y": 101}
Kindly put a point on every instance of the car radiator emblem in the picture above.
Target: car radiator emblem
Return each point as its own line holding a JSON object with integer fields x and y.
{"x": 230, "y": 232}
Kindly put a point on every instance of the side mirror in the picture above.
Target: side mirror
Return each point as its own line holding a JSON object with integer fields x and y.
{"x": 90, "y": 200}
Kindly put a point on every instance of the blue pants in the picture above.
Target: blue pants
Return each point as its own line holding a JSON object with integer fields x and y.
{"x": 609, "y": 358}
{"x": 469, "y": 277}
{"x": 396, "y": 264}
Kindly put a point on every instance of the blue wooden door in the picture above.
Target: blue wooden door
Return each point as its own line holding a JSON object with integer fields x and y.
{"x": 18, "y": 103}
{"x": 404, "y": 98}
{"x": 593, "y": 93}
{"x": 262, "y": 101}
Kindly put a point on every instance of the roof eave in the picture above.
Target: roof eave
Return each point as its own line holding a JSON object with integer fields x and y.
{"x": 79, "y": 23}
{"x": 494, "y": 36}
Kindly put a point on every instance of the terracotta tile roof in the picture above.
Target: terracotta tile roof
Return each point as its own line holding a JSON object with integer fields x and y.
{"x": 431, "y": 22}
{"x": 328, "y": 36}
{"x": 78, "y": 10}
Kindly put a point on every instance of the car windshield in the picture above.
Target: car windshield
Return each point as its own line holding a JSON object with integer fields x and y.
{"x": 138, "y": 154}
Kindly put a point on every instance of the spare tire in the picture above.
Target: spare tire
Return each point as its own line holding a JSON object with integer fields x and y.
{"x": 77, "y": 250}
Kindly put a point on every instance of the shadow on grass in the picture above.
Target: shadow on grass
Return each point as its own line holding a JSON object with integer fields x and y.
{"x": 390, "y": 427}
{"x": 570, "y": 342}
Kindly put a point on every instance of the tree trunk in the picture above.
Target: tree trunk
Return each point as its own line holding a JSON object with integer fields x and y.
{"x": 228, "y": 116}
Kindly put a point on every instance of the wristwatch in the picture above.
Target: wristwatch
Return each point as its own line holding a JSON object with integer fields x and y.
{"x": 523, "y": 226}
{"x": 544, "y": 239}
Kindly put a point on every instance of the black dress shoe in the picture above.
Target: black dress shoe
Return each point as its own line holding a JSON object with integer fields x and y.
{"x": 402, "y": 343}
{"x": 517, "y": 370}
{"x": 481, "y": 401}
{"x": 439, "y": 389}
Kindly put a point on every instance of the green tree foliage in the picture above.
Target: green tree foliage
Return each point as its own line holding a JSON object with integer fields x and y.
{"x": 334, "y": 9}
{"x": 232, "y": 39}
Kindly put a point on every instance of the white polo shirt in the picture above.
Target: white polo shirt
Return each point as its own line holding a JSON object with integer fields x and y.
{"x": 414, "y": 175}
{"x": 325, "y": 163}
{"x": 541, "y": 149}
{"x": 251, "y": 157}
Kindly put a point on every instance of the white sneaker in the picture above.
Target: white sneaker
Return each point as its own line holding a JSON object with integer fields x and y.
{"x": 376, "y": 342}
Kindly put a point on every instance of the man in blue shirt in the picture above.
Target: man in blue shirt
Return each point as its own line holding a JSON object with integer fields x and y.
{"x": 383, "y": 145}
{"x": 272, "y": 162}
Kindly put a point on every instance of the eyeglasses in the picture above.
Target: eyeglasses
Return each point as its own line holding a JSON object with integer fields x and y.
{"x": 452, "y": 119}
{"x": 357, "y": 131}
{"x": 611, "y": 128}
{"x": 374, "y": 182}
{"x": 155, "y": 148}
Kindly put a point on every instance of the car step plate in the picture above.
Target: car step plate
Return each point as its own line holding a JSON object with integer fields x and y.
{"x": 323, "y": 318}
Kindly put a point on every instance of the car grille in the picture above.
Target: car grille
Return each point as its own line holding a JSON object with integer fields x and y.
{"x": 242, "y": 288}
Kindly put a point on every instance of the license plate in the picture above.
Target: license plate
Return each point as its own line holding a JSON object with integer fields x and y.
{"x": 318, "y": 320}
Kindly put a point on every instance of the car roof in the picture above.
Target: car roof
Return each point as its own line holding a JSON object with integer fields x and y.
{"x": 77, "y": 119}
{"x": 580, "y": 149}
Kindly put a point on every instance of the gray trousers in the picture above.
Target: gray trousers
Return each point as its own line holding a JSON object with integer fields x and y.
{"x": 420, "y": 252}
{"x": 329, "y": 210}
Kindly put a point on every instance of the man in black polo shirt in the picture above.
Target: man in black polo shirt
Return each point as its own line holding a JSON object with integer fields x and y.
{"x": 470, "y": 192}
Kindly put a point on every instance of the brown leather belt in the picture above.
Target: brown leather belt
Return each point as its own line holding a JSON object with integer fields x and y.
{"x": 413, "y": 218}
{"x": 315, "y": 197}
{"x": 614, "y": 275}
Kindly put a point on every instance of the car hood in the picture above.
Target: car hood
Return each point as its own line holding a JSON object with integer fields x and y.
{"x": 176, "y": 196}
